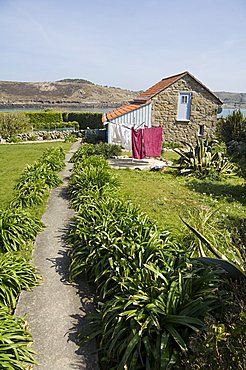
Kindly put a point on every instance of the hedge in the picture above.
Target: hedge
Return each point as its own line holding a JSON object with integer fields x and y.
{"x": 15, "y": 123}
{"x": 85, "y": 119}
{"x": 43, "y": 119}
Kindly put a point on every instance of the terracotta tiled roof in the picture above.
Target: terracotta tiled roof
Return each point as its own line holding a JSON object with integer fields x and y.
{"x": 122, "y": 110}
{"x": 159, "y": 86}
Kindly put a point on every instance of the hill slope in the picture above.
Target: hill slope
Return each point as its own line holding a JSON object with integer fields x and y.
{"x": 232, "y": 100}
{"x": 80, "y": 93}
{"x": 75, "y": 92}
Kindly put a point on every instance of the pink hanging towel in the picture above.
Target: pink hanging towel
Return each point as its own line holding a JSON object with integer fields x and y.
{"x": 137, "y": 144}
{"x": 152, "y": 141}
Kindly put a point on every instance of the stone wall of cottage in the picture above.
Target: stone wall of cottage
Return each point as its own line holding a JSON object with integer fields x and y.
{"x": 203, "y": 111}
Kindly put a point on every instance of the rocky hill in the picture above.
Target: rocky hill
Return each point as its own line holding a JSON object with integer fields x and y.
{"x": 67, "y": 92}
{"x": 80, "y": 93}
{"x": 232, "y": 100}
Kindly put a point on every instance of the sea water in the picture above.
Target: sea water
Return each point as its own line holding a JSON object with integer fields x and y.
{"x": 225, "y": 111}
{"x": 58, "y": 109}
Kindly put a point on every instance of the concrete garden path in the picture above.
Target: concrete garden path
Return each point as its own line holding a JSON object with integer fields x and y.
{"x": 55, "y": 309}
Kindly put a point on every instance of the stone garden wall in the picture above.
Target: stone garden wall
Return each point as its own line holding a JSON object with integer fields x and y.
{"x": 45, "y": 135}
{"x": 203, "y": 111}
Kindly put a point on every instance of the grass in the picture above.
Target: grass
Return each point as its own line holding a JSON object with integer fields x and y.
{"x": 165, "y": 197}
{"x": 14, "y": 159}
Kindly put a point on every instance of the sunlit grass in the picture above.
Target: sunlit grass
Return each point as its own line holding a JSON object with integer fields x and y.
{"x": 13, "y": 160}
{"x": 165, "y": 197}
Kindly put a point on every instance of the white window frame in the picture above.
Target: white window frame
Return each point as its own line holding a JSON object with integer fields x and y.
{"x": 184, "y": 97}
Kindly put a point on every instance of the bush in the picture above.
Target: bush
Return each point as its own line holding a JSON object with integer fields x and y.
{"x": 222, "y": 345}
{"x": 72, "y": 138}
{"x": 12, "y": 124}
{"x": 232, "y": 130}
{"x": 103, "y": 149}
{"x": 233, "y": 127}
{"x": 54, "y": 158}
{"x": 13, "y": 139}
{"x": 85, "y": 119}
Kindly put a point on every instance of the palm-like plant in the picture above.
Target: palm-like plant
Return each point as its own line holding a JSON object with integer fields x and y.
{"x": 200, "y": 160}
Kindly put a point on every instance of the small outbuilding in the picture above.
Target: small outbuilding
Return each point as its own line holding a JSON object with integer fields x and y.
{"x": 180, "y": 104}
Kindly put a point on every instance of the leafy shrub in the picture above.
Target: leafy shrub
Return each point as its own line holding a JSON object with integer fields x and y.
{"x": 202, "y": 162}
{"x": 72, "y": 138}
{"x": 16, "y": 274}
{"x": 17, "y": 228}
{"x": 38, "y": 172}
{"x": 222, "y": 345}
{"x": 153, "y": 295}
{"x": 12, "y": 124}
{"x": 30, "y": 194}
{"x": 54, "y": 158}
{"x": 13, "y": 139}
{"x": 105, "y": 150}
{"x": 232, "y": 130}
{"x": 15, "y": 352}
{"x": 32, "y": 138}
{"x": 232, "y": 127}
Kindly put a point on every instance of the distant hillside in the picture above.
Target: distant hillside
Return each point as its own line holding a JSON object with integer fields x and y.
{"x": 80, "y": 93}
{"x": 67, "y": 92}
{"x": 232, "y": 100}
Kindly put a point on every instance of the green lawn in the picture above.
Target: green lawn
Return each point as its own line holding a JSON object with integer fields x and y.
{"x": 165, "y": 197}
{"x": 13, "y": 160}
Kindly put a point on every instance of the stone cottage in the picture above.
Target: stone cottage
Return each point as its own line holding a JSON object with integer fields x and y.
{"x": 182, "y": 105}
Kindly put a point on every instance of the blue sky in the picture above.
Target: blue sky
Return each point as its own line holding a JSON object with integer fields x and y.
{"x": 126, "y": 43}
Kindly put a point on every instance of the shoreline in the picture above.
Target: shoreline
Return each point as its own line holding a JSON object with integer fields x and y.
{"x": 58, "y": 107}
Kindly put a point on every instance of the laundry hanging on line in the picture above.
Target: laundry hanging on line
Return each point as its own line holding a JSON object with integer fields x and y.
{"x": 146, "y": 142}
{"x": 137, "y": 144}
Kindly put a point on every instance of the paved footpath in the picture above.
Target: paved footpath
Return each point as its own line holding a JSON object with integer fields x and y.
{"x": 55, "y": 309}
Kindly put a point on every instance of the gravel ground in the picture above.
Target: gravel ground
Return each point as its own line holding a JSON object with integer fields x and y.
{"x": 56, "y": 309}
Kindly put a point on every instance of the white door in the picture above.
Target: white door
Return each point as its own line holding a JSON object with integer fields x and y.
{"x": 184, "y": 106}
